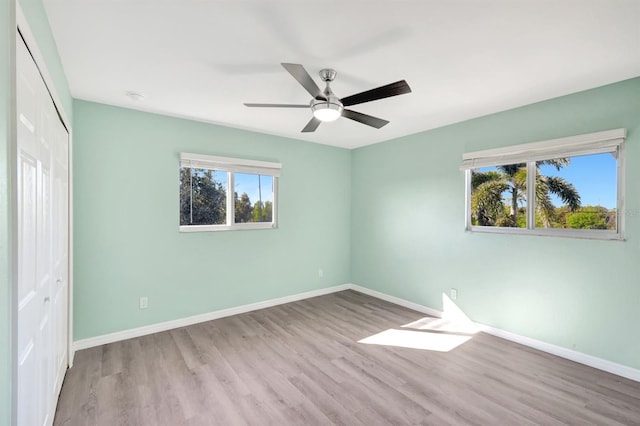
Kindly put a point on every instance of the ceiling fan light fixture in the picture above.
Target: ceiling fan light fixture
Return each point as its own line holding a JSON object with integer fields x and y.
{"x": 326, "y": 110}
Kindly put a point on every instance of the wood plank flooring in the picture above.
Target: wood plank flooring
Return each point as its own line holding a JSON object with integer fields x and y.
{"x": 301, "y": 363}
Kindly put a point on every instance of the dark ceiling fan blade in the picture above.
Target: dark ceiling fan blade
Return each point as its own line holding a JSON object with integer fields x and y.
{"x": 394, "y": 89}
{"x": 299, "y": 73}
{"x": 312, "y": 125}
{"x": 277, "y": 105}
{"x": 369, "y": 120}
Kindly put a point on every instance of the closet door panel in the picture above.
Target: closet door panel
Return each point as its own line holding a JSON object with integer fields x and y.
{"x": 42, "y": 204}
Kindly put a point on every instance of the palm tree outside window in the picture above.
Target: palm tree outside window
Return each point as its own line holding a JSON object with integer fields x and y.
{"x": 570, "y": 187}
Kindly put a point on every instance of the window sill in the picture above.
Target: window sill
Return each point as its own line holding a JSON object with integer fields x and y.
{"x": 542, "y": 232}
{"x": 235, "y": 227}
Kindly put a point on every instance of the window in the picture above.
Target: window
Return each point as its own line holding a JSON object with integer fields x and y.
{"x": 220, "y": 193}
{"x": 568, "y": 187}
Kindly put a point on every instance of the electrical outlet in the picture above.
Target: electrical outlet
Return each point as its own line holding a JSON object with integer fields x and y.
{"x": 454, "y": 294}
{"x": 320, "y": 273}
{"x": 144, "y": 302}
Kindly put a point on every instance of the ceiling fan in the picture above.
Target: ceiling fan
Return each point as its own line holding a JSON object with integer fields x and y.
{"x": 326, "y": 106}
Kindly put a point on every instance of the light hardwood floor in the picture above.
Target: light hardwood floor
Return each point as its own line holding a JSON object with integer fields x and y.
{"x": 301, "y": 363}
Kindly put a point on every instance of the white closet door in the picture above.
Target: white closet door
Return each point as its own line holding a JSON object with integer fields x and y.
{"x": 40, "y": 263}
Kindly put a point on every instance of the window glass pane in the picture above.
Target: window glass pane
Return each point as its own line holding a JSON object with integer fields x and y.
{"x": 577, "y": 192}
{"x": 498, "y": 196}
{"x": 203, "y": 196}
{"x": 254, "y": 198}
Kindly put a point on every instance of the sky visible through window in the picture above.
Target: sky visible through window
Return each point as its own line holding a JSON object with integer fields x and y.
{"x": 218, "y": 176}
{"x": 250, "y": 184}
{"x": 594, "y": 177}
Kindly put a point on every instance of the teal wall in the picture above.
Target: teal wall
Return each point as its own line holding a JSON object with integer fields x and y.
{"x": 127, "y": 242}
{"x": 6, "y": 83}
{"x": 408, "y": 236}
{"x": 388, "y": 216}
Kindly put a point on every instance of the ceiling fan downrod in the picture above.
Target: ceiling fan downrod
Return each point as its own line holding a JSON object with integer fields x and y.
{"x": 329, "y": 109}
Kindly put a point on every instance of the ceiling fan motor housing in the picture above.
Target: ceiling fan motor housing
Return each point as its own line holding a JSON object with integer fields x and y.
{"x": 328, "y": 109}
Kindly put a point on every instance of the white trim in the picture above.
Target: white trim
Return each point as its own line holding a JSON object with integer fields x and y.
{"x": 228, "y": 160}
{"x": 467, "y": 200}
{"x": 231, "y": 204}
{"x": 590, "y": 234}
{"x": 620, "y": 218}
{"x": 531, "y": 195}
{"x": 570, "y": 146}
{"x": 238, "y": 165}
{"x": 579, "y": 357}
{"x": 182, "y": 322}
{"x": 70, "y": 349}
{"x": 12, "y": 211}
{"x": 397, "y": 301}
{"x": 232, "y": 227}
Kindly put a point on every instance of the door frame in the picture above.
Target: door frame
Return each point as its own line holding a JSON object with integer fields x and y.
{"x": 22, "y": 28}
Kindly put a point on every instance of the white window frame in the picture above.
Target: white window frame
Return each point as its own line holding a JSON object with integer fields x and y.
{"x": 529, "y": 153}
{"x": 232, "y": 166}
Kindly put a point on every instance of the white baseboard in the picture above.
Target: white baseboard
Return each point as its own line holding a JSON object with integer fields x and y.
{"x": 579, "y": 357}
{"x": 397, "y": 301}
{"x": 582, "y": 358}
{"x": 182, "y": 322}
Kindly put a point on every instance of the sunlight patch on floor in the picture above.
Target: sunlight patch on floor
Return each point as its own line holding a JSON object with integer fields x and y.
{"x": 453, "y": 320}
{"x": 439, "y": 342}
{"x": 430, "y": 333}
{"x": 442, "y": 325}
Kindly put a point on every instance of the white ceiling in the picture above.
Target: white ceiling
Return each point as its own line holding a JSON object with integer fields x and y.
{"x": 203, "y": 59}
